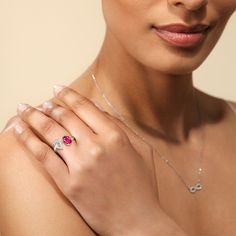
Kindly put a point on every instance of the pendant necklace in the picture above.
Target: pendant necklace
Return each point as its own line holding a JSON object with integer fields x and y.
{"x": 191, "y": 188}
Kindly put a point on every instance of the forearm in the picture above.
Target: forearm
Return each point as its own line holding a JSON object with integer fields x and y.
{"x": 160, "y": 225}
{"x": 165, "y": 228}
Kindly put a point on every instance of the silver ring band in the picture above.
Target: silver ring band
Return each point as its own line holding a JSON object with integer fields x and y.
{"x": 59, "y": 144}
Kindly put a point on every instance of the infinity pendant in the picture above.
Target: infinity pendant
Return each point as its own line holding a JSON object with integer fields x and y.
{"x": 195, "y": 188}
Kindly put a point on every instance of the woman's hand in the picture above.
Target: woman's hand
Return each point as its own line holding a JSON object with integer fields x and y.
{"x": 110, "y": 183}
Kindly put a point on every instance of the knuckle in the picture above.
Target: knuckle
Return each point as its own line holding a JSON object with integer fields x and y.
{"x": 42, "y": 153}
{"x": 80, "y": 170}
{"x": 116, "y": 137}
{"x": 63, "y": 93}
{"x": 79, "y": 102}
{"x": 47, "y": 126}
{"x": 76, "y": 169}
{"x": 73, "y": 188}
{"x": 96, "y": 151}
{"x": 62, "y": 114}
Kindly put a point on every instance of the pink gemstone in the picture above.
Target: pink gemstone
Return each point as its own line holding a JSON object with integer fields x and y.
{"x": 67, "y": 140}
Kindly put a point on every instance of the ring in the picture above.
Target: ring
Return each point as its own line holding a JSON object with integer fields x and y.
{"x": 58, "y": 144}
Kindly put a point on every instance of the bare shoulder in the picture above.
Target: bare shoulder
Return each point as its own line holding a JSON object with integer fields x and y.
{"x": 216, "y": 108}
{"x": 30, "y": 202}
{"x": 233, "y": 103}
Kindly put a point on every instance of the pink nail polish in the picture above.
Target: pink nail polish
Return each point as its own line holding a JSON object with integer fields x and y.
{"x": 11, "y": 124}
{"x": 18, "y": 128}
{"x": 48, "y": 105}
{"x": 58, "y": 88}
{"x": 22, "y": 107}
{"x": 8, "y": 127}
{"x": 39, "y": 109}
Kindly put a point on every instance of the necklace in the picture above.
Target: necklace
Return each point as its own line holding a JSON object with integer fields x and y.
{"x": 191, "y": 188}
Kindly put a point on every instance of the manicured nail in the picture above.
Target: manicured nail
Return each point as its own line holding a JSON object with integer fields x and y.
{"x": 18, "y": 128}
{"x": 58, "y": 88}
{"x": 39, "y": 109}
{"x": 12, "y": 125}
{"x": 22, "y": 107}
{"x": 48, "y": 105}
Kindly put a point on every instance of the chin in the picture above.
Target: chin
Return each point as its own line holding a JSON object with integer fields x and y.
{"x": 176, "y": 69}
{"x": 170, "y": 60}
{"x": 172, "y": 64}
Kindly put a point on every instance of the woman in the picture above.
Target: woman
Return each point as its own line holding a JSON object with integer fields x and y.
{"x": 152, "y": 163}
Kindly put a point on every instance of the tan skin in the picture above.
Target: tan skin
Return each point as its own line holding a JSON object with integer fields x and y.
{"x": 132, "y": 57}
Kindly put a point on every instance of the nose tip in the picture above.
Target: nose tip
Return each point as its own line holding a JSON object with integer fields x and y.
{"x": 191, "y": 5}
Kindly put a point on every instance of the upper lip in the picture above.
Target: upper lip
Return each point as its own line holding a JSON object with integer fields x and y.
{"x": 180, "y": 28}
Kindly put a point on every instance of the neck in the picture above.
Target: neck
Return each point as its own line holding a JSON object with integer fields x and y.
{"x": 145, "y": 95}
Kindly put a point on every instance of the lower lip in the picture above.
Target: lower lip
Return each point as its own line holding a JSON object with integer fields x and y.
{"x": 185, "y": 40}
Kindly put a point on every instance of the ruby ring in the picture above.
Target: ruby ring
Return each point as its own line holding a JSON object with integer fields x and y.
{"x": 58, "y": 144}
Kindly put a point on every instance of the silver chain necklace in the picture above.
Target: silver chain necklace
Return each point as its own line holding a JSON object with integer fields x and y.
{"x": 191, "y": 188}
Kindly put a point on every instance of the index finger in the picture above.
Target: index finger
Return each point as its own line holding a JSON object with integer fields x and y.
{"x": 85, "y": 109}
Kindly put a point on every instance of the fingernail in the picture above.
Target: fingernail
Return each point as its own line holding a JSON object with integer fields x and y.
{"x": 39, "y": 108}
{"x": 58, "y": 88}
{"x": 22, "y": 107}
{"x": 10, "y": 124}
{"x": 18, "y": 128}
{"x": 48, "y": 105}
{"x": 9, "y": 127}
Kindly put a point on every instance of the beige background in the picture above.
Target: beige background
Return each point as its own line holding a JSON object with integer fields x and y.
{"x": 50, "y": 42}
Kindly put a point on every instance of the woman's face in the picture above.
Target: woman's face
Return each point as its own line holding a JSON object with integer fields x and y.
{"x": 172, "y": 36}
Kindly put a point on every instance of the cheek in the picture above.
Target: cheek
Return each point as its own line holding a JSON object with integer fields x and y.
{"x": 124, "y": 15}
{"x": 224, "y": 8}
